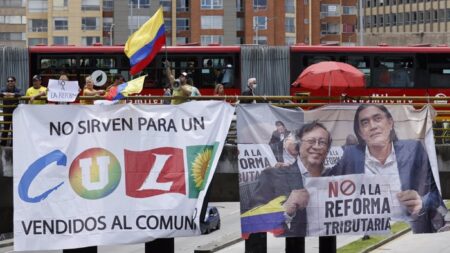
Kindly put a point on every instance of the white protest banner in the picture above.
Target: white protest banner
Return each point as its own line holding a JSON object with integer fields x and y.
{"x": 392, "y": 143}
{"x": 352, "y": 204}
{"x": 99, "y": 175}
{"x": 62, "y": 91}
{"x": 253, "y": 158}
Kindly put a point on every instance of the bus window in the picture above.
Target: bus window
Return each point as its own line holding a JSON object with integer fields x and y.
{"x": 52, "y": 68}
{"x": 439, "y": 69}
{"x": 98, "y": 63}
{"x": 216, "y": 70}
{"x": 393, "y": 71}
{"x": 313, "y": 59}
{"x": 360, "y": 62}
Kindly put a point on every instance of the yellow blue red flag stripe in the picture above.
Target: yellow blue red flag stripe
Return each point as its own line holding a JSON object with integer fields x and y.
{"x": 145, "y": 43}
{"x": 122, "y": 90}
{"x": 264, "y": 218}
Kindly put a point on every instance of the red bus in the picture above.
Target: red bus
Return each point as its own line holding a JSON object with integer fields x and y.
{"x": 393, "y": 71}
{"x": 206, "y": 66}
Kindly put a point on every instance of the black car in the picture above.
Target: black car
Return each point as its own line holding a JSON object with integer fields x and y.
{"x": 212, "y": 220}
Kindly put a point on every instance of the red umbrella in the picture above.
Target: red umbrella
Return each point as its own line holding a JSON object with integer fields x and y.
{"x": 330, "y": 74}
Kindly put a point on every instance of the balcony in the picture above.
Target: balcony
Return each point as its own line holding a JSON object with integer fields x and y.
{"x": 38, "y": 29}
{"x": 90, "y": 7}
{"x": 325, "y": 14}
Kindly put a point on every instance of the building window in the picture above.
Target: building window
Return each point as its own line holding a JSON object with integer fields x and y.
{"x": 380, "y": 20}
{"x": 212, "y": 4}
{"x": 260, "y": 40}
{"x": 349, "y": 10}
{"x": 290, "y": 40}
{"x": 393, "y": 19}
{"x": 167, "y": 5}
{"x": 60, "y": 5}
{"x": 239, "y": 5}
{"x": 141, "y": 4}
{"x": 374, "y": 20}
{"x": 448, "y": 14}
{"x": 211, "y": 39}
{"x": 90, "y": 5}
{"x": 88, "y": 41}
{"x": 107, "y": 24}
{"x": 182, "y": 40}
{"x": 16, "y": 20}
{"x": 60, "y": 40}
{"x": 367, "y": 22}
{"x": 240, "y": 24}
{"x": 400, "y": 18}
{"x": 212, "y": 22}
{"x": 108, "y": 5}
{"x": 329, "y": 28}
{"x": 37, "y": 25}
{"x": 368, "y": 3}
{"x": 12, "y": 3}
{"x": 259, "y": 4}
{"x": 420, "y": 17}
{"x": 407, "y": 18}
{"x": 60, "y": 24}
{"x": 387, "y": 19}
{"x": 441, "y": 15}
{"x": 259, "y": 22}
{"x": 89, "y": 24}
{"x": 182, "y": 24}
{"x": 12, "y": 36}
{"x": 37, "y": 6}
{"x": 289, "y": 24}
{"x": 135, "y": 22}
{"x": 37, "y": 41}
{"x": 289, "y": 6}
{"x": 414, "y": 17}
{"x": 329, "y": 10}
{"x": 348, "y": 28}
{"x": 182, "y": 5}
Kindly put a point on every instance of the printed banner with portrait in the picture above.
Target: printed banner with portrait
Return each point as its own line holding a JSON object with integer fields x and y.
{"x": 99, "y": 175}
{"x": 338, "y": 169}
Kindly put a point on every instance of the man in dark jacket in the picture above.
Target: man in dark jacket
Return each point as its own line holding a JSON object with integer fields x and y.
{"x": 9, "y": 104}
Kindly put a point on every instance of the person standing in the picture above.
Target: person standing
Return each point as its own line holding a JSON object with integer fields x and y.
{"x": 10, "y": 91}
{"x": 36, "y": 91}
{"x": 90, "y": 91}
{"x": 251, "y": 86}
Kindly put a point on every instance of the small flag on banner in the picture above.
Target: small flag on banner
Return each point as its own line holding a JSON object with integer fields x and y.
{"x": 122, "y": 90}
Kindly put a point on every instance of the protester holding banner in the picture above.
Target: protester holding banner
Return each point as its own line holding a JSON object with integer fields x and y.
{"x": 315, "y": 141}
{"x": 179, "y": 86}
{"x": 90, "y": 91}
{"x": 36, "y": 91}
{"x": 379, "y": 152}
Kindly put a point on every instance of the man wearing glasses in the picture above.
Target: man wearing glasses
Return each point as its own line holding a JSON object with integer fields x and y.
{"x": 9, "y": 104}
{"x": 314, "y": 143}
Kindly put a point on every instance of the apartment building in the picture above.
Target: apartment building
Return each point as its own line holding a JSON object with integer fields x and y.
{"x": 400, "y": 22}
{"x": 64, "y": 22}
{"x": 327, "y": 22}
{"x": 224, "y": 22}
{"x": 13, "y": 23}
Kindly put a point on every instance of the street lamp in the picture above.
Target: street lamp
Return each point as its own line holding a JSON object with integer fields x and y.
{"x": 110, "y": 34}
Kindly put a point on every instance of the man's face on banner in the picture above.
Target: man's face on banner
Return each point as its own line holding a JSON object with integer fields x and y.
{"x": 314, "y": 147}
{"x": 375, "y": 127}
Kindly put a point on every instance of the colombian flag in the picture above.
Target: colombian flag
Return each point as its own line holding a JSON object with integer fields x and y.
{"x": 122, "y": 90}
{"x": 264, "y": 218}
{"x": 145, "y": 43}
